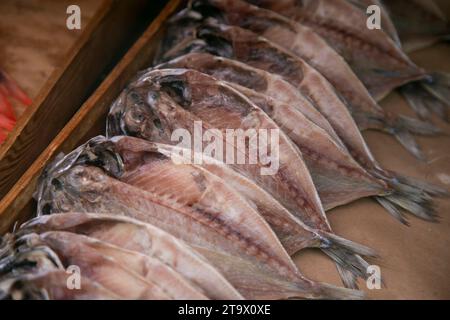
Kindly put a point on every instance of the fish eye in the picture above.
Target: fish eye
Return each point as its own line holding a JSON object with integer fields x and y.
{"x": 157, "y": 123}
{"x": 57, "y": 184}
{"x": 137, "y": 115}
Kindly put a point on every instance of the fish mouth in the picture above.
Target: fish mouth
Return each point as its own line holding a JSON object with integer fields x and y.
{"x": 98, "y": 152}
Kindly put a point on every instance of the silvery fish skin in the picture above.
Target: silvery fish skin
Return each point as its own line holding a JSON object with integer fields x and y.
{"x": 339, "y": 179}
{"x": 178, "y": 97}
{"x": 259, "y": 80}
{"x": 52, "y": 285}
{"x": 245, "y": 46}
{"x": 373, "y": 55}
{"x": 208, "y": 219}
{"x": 392, "y": 190}
{"x": 293, "y": 234}
{"x": 25, "y": 273}
{"x": 398, "y": 193}
{"x": 134, "y": 235}
{"x": 129, "y": 274}
{"x": 134, "y": 114}
{"x": 302, "y": 41}
{"x": 375, "y": 58}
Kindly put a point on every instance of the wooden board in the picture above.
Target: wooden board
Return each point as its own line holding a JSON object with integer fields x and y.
{"x": 415, "y": 260}
{"x": 73, "y": 81}
{"x": 88, "y": 121}
{"x": 34, "y": 39}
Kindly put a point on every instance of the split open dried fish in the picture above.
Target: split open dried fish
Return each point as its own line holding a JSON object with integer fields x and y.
{"x": 199, "y": 209}
{"x": 395, "y": 192}
{"x": 134, "y": 235}
{"x": 218, "y": 106}
{"x": 377, "y": 60}
{"x": 245, "y": 46}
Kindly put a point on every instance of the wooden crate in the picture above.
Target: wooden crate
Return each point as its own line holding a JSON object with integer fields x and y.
{"x": 112, "y": 29}
{"x": 18, "y": 203}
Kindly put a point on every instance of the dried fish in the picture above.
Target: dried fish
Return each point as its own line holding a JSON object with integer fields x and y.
{"x": 198, "y": 209}
{"x": 235, "y": 72}
{"x": 134, "y": 235}
{"x": 244, "y": 45}
{"x": 385, "y": 16}
{"x": 298, "y": 39}
{"x": 53, "y": 285}
{"x": 293, "y": 234}
{"x": 38, "y": 273}
{"x": 396, "y": 192}
{"x": 131, "y": 275}
{"x": 374, "y": 57}
{"x": 220, "y": 107}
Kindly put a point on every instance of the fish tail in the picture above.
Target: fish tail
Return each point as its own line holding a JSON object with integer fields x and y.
{"x": 413, "y": 196}
{"x": 348, "y": 278}
{"x": 347, "y": 256}
{"x": 429, "y": 96}
{"x": 438, "y": 86}
{"x": 401, "y": 127}
{"x": 328, "y": 291}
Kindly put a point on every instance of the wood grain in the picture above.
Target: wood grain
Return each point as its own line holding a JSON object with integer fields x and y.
{"x": 88, "y": 121}
{"x": 34, "y": 39}
{"x": 72, "y": 83}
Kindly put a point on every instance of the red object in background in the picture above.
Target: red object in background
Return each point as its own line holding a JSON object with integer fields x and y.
{"x": 2, "y": 137}
{"x": 5, "y": 107}
{"x": 6, "y": 123}
{"x": 9, "y": 89}
{"x": 12, "y": 89}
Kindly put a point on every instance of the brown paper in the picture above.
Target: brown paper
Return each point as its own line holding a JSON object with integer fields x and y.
{"x": 415, "y": 260}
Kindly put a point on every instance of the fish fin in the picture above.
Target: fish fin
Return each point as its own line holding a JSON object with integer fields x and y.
{"x": 350, "y": 262}
{"x": 421, "y": 208}
{"x": 393, "y": 210}
{"x": 413, "y": 196}
{"x": 342, "y": 244}
{"x": 440, "y": 109}
{"x": 426, "y": 97}
{"x": 415, "y": 126}
{"x": 409, "y": 143}
{"x": 438, "y": 85}
{"x": 401, "y": 127}
{"x": 348, "y": 278}
{"x": 416, "y": 99}
{"x": 421, "y": 186}
{"x": 328, "y": 291}
{"x": 345, "y": 254}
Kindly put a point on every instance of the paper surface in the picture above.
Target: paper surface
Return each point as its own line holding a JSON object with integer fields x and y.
{"x": 414, "y": 260}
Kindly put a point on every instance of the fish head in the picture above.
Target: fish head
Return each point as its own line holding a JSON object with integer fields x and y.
{"x": 69, "y": 182}
{"x": 201, "y": 35}
{"x": 26, "y": 254}
{"x": 142, "y": 111}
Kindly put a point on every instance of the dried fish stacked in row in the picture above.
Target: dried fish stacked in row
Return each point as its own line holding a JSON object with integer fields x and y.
{"x": 143, "y": 219}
